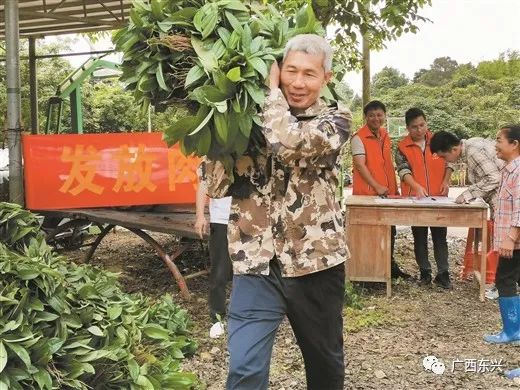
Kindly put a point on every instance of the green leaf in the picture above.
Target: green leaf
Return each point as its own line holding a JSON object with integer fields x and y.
{"x": 21, "y": 352}
{"x": 136, "y": 19}
{"x": 221, "y": 126}
{"x": 155, "y": 331}
{"x": 209, "y": 93}
{"x": 256, "y": 93}
{"x": 234, "y": 74}
{"x": 96, "y": 331}
{"x": 157, "y": 9}
{"x": 204, "y": 142}
{"x": 43, "y": 378}
{"x": 245, "y": 123}
{"x": 232, "y": 130}
{"x": 210, "y": 21}
{"x": 160, "y": 78}
{"x": 165, "y": 25}
{"x": 246, "y": 39}
{"x": 147, "y": 84}
{"x": 28, "y": 273}
{"x": 256, "y": 44}
{"x": 207, "y": 57}
{"x": 258, "y": 65}
{"x": 133, "y": 369}
{"x": 233, "y": 21}
{"x": 195, "y": 74}
{"x": 179, "y": 129}
{"x": 224, "y": 34}
{"x": 220, "y": 106}
{"x": 45, "y": 316}
{"x": 240, "y": 144}
{"x": 234, "y": 5}
{"x": 203, "y": 123}
{"x": 224, "y": 84}
{"x": 219, "y": 49}
{"x": 94, "y": 355}
{"x": 185, "y": 14}
{"x": 114, "y": 312}
{"x": 88, "y": 291}
{"x": 233, "y": 41}
{"x": 3, "y": 356}
{"x": 144, "y": 383}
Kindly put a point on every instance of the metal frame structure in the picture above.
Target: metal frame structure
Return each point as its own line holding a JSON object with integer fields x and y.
{"x": 52, "y": 17}
{"x": 34, "y": 19}
{"x": 71, "y": 88}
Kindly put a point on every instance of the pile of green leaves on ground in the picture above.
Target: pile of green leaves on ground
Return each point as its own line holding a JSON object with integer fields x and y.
{"x": 71, "y": 326}
{"x": 214, "y": 55}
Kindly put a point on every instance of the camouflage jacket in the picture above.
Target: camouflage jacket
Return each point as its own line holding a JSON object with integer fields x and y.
{"x": 289, "y": 207}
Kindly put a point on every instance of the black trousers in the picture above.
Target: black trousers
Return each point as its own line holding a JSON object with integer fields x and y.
{"x": 440, "y": 247}
{"x": 221, "y": 270}
{"x": 508, "y": 275}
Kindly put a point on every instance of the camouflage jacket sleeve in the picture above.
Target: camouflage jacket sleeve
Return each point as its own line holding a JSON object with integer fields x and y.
{"x": 402, "y": 165}
{"x": 291, "y": 140}
{"x": 215, "y": 176}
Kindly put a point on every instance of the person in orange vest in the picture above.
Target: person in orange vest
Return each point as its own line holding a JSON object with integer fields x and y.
{"x": 374, "y": 172}
{"x": 424, "y": 174}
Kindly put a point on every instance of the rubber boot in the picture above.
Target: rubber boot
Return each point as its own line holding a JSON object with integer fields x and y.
{"x": 510, "y": 313}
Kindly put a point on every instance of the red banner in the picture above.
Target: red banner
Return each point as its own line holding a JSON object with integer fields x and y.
{"x": 98, "y": 170}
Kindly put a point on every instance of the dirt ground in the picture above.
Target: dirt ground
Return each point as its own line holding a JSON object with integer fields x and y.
{"x": 385, "y": 341}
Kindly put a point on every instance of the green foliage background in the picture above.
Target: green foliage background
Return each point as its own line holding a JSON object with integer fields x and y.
{"x": 470, "y": 100}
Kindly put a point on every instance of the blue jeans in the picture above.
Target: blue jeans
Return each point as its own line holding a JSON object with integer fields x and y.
{"x": 313, "y": 304}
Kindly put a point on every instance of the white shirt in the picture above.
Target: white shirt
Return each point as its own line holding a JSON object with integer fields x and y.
{"x": 219, "y": 210}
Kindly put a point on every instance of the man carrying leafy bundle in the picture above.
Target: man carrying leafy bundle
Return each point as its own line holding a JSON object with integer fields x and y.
{"x": 286, "y": 236}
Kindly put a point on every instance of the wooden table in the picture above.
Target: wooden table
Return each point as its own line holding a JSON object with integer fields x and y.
{"x": 368, "y": 232}
{"x": 178, "y": 220}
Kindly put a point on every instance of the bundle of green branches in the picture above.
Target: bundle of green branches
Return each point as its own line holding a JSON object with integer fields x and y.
{"x": 212, "y": 55}
{"x": 69, "y": 326}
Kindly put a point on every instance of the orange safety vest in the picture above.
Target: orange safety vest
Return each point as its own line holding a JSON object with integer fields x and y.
{"x": 378, "y": 154}
{"x": 427, "y": 169}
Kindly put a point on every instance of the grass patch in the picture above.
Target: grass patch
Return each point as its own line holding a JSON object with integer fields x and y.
{"x": 358, "y": 319}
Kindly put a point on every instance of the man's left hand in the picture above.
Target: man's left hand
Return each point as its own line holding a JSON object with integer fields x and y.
{"x": 274, "y": 76}
{"x": 445, "y": 188}
{"x": 460, "y": 199}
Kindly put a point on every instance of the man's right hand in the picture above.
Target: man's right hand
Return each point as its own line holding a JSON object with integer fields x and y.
{"x": 420, "y": 192}
{"x": 201, "y": 226}
{"x": 381, "y": 190}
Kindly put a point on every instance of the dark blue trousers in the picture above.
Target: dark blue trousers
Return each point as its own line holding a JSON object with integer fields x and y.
{"x": 313, "y": 304}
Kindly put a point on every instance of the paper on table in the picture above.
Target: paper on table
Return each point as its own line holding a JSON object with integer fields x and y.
{"x": 394, "y": 201}
{"x": 436, "y": 200}
{"x": 428, "y": 200}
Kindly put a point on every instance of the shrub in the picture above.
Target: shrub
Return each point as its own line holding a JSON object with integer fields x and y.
{"x": 64, "y": 325}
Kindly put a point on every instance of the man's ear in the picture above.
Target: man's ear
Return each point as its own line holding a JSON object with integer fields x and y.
{"x": 328, "y": 76}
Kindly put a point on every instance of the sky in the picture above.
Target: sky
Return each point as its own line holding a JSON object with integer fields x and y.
{"x": 465, "y": 30}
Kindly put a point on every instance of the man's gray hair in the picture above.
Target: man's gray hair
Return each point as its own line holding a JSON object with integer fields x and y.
{"x": 311, "y": 44}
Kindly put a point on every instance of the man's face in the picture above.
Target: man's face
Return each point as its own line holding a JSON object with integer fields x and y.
{"x": 505, "y": 150}
{"x": 375, "y": 119}
{"x": 452, "y": 155}
{"x": 302, "y": 77}
{"x": 417, "y": 129}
